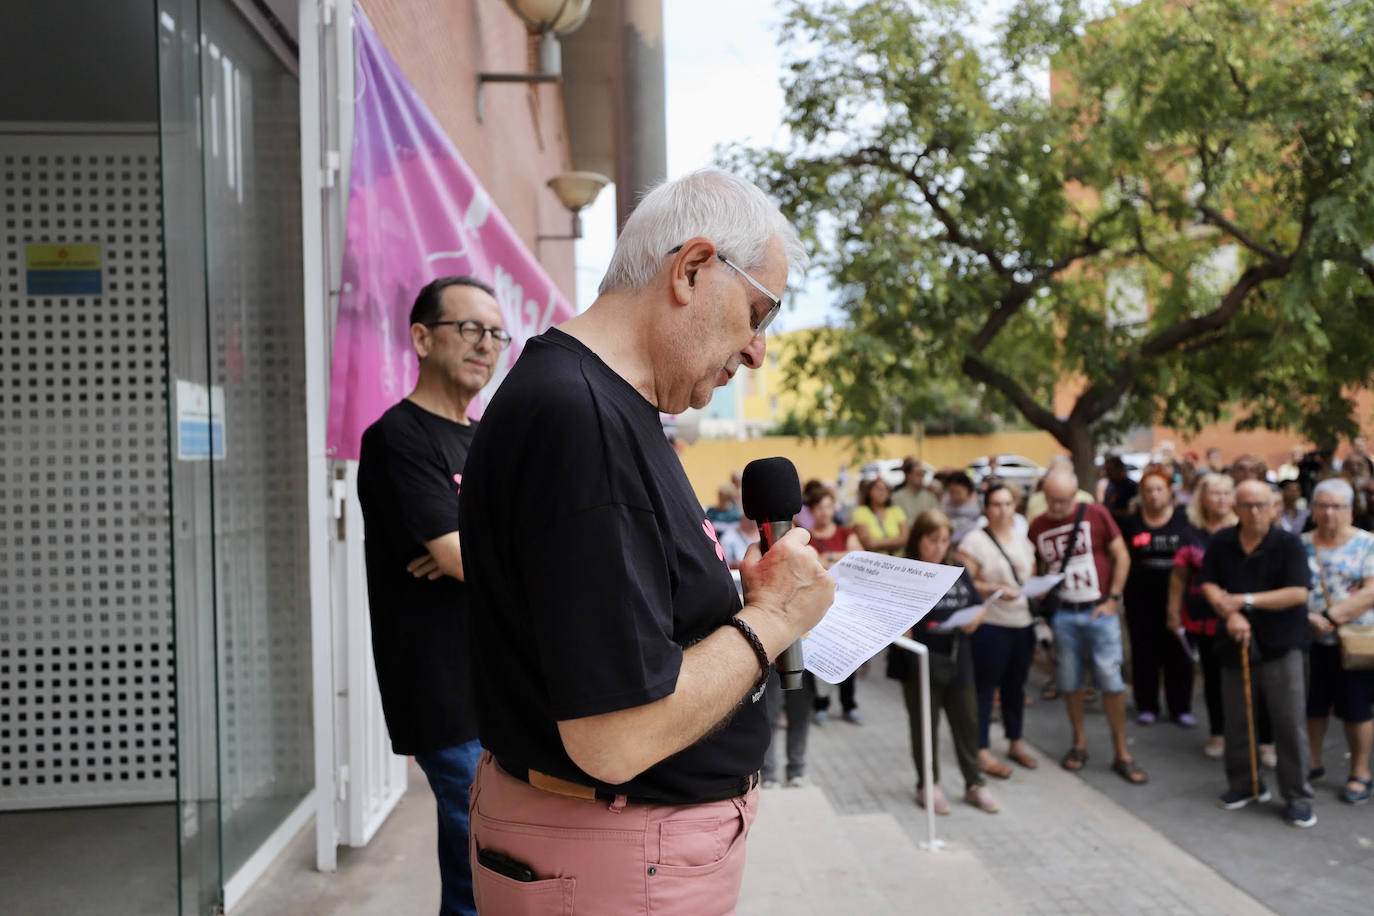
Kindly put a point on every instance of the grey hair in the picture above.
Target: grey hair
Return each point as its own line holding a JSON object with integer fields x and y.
{"x": 711, "y": 203}
{"x": 1335, "y": 485}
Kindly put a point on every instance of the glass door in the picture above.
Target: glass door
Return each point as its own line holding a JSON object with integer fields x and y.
{"x": 191, "y": 445}
{"x": 229, "y": 125}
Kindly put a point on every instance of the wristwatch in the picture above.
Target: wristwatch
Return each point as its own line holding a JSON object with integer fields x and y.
{"x": 1249, "y": 603}
{"x": 1117, "y": 598}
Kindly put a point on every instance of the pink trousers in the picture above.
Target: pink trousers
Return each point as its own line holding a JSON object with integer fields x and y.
{"x": 598, "y": 857}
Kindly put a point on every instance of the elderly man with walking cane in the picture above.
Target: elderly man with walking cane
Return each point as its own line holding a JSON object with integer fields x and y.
{"x": 1255, "y": 576}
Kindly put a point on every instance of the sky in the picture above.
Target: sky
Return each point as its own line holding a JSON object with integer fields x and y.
{"x": 723, "y": 64}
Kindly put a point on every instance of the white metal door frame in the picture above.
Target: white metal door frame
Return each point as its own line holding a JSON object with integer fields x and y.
{"x": 359, "y": 780}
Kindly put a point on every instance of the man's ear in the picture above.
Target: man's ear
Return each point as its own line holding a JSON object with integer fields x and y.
{"x": 686, "y": 263}
{"x": 420, "y": 339}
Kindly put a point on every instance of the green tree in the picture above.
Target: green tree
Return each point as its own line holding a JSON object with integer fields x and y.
{"x": 1185, "y": 228}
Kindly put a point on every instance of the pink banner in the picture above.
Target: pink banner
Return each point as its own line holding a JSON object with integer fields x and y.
{"x": 415, "y": 212}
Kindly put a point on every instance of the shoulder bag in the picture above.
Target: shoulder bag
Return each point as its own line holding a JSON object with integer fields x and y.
{"x": 1356, "y": 639}
{"x": 1006, "y": 556}
{"x": 1047, "y": 604}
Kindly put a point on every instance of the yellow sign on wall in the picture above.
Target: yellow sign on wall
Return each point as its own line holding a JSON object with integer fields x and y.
{"x": 63, "y": 270}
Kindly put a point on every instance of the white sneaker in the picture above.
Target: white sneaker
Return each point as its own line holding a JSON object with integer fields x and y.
{"x": 1215, "y": 747}
{"x": 796, "y": 782}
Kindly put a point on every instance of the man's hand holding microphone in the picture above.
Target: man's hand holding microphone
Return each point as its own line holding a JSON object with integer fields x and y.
{"x": 782, "y": 574}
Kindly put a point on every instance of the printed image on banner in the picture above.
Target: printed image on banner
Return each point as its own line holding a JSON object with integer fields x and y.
{"x": 416, "y": 212}
{"x": 62, "y": 270}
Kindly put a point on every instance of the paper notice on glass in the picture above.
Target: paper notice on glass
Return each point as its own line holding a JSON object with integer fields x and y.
{"x": 965, "y": 615}
{"x": 1037, "y": 585}
{"x": 877, "y": 599}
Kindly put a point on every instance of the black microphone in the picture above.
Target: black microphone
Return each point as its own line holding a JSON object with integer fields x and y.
{"x": 771, "y": 495}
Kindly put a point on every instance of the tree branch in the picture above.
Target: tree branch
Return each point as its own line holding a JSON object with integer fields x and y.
{"x": 1174, "y": 337}
{"x": 1101, "y": 397}
{"x": 1032, "y": 410}
{"x": 1215, "y": 218}
{"x": 1009, "y": 305}
{"x": 953, "y": 230}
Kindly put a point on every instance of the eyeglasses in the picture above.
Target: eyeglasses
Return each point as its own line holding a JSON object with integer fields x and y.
{"x": 1253, "y": 507}
{"x": 1331, "y": 507}
{"x": 760, "y": 325}
{"x": 474, "y": 331}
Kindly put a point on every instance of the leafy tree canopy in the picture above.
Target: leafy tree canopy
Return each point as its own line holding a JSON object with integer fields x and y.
{"x": 1184, "y": 226}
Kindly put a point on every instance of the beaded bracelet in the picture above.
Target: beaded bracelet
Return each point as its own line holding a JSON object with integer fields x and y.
{"x": 765, "y": 666}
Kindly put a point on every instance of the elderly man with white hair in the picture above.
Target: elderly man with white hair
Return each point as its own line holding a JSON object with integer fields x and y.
{"x": 619, "y": 681}
{"x": 1255, "y": 576}
{"x": 1342, "y": 561}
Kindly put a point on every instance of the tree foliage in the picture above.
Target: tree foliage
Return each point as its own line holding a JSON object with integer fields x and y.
{"x": 1185, "y": 226}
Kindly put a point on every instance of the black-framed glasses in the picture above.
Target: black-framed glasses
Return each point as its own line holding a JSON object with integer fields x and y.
{"x": 474, "y": 331}
{"x": 760, "y": 325}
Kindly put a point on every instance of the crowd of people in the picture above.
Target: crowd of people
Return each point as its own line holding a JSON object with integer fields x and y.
{"x": 559, "y": 643}
{"x": 1251, "y": 576}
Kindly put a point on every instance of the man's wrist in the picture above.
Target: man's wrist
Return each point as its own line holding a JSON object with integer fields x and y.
{"x": 760, "y": 653}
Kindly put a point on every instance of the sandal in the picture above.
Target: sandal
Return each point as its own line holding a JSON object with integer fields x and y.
{"x": 1049, "y": 692}
{"x": 1358, "y": 796}
{"x": 1130, "y": 771}
{"x": 996, "y": 769}
{"x": 1075, "y": 759}
{"x": 1024, "y": 758}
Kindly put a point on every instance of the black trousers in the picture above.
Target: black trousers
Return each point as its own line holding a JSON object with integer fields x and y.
{"x": 847, "y": 701}
{"x": 1001, "y": 661}
{"x": 1155, "y": 649}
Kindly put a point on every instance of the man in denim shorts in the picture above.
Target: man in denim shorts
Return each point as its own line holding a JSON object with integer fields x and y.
{"x": 1087, "y": 622}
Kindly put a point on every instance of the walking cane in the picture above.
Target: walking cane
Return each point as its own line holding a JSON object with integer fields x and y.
{"x": 1249, "y": 715}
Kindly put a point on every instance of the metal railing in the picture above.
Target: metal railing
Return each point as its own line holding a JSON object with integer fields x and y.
{"x": 927, "y": 764}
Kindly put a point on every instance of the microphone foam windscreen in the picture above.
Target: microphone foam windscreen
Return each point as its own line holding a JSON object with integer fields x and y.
{"x": 770, "y": 490}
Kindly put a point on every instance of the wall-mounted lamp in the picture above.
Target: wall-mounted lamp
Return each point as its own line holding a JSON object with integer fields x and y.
{"x": 548, "y": 19}
{"x": 576, "y": 191}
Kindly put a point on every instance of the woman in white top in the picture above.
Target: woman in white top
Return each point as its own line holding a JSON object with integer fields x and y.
{"x": 999, "y": 558}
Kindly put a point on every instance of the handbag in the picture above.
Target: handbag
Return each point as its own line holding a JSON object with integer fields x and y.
{"x": 1047, "y": 604}
{"x": 1356, "y": 639}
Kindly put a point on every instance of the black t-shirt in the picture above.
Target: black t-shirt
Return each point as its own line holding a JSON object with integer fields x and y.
{"x": 1152, "y": 556}
{"x": 410, "y": 470}
{"x": 591, "y": 566}
{"x": 1278, "y": 561}
{"x": 1118, "y": 495}
{"x": 963, "y": 593}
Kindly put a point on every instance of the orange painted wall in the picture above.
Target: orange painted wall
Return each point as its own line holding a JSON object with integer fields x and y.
{"x": 522, "y": 141}
{"x": 1272, "y": 447}
{"x": 708, "y": 463}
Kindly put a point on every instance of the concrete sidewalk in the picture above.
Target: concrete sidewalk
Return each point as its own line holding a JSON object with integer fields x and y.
{"x": 849, "y": 844}
{"x": 1057, "y": 846}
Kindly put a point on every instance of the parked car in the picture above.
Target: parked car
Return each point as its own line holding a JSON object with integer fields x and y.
{"x": 1015, "y": 468}
{"x": 891, "y": 469}
{"x": 1136, "y": 463}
